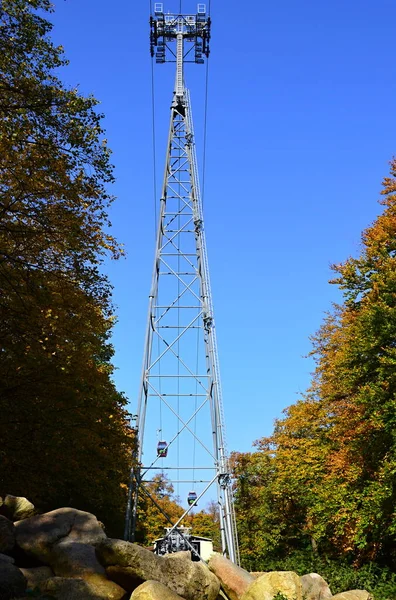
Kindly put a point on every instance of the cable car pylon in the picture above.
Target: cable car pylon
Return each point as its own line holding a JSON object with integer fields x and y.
{"x": 180, "y": 378}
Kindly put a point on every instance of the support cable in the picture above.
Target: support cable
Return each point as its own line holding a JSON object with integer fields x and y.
{"x": 179, "y": 245}
{"x": 205, "y": 120}
{"x": 205, "y": 132}
{"x": 153, "y": 143}
{"x": 195, "y": 404}
{"x": 160, "y": 390}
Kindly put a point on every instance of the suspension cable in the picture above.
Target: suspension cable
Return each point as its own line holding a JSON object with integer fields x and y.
{"x": 154, "y": 145}
{"x": 154, "y": 152}
{"x": 179, "y": 245}
{"x": 160, "y": 389}
{"x": 195, "y": 407}
{"x": 205, "y": 131}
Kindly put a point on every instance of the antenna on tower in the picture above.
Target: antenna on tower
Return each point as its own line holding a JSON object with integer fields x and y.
{"x": 185, "y": 383}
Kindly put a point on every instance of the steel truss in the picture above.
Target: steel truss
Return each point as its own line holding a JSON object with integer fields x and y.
{"x": 180, "y": 382}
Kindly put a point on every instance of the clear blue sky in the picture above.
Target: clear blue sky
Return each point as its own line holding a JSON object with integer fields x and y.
{"x": 301, "y": 126}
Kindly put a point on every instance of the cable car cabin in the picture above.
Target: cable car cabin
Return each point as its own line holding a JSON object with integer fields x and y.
{"x": 191, "y": 498}
{"x": 162, "y": 449}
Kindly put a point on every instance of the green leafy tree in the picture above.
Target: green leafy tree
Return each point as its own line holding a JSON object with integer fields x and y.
{"x": 269, "y": 517}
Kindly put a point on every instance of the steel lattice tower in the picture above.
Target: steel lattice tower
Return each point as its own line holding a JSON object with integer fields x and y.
{"x": 180, "y": 392}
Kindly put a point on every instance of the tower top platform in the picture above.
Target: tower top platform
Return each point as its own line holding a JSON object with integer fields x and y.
{"x": 168, "y": 27}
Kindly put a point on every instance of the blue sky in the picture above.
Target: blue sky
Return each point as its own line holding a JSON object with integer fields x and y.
{"x": 301, "y": 126}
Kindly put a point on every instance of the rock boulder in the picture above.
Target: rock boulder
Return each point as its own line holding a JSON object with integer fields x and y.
{"x": 153, "y": 590}
{"x": 17, "y": 508}
{"x": 314, "y": 587}
{"x": 7, "y": 535}
{"x": 63, "y": 588}
{"x": 6, "y": 558}
{"x": 36, "y": 575}
{"x": 37, "y": 535}
{"x": 130, "y": 565}
{"x": 353, "y": 595}
{"x": 73, "y": 559}
{"x": 234, "y": 580}
{"x": 268, "y": 585}
{"x": 12, "y": 581}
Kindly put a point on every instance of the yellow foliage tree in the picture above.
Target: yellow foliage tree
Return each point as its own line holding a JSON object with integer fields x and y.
{"x": 326, "y": 478}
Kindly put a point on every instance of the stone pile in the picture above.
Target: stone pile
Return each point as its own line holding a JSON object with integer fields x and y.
{"x": 65, "y": 555}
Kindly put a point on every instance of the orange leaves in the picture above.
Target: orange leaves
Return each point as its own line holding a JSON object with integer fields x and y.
{"x": 332, "y": 457}
{"x": 389, "y": 183}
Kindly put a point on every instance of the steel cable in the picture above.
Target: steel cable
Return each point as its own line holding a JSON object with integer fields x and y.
{"x": 205, "y": 131}
{"x": 154, "y": 145}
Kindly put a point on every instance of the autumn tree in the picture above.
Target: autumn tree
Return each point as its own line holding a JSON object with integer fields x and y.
{"x": 269, "y": 515}
{"x": 64, "y": 430}
{"x": 324, "y": 481}
{"x": 355, "y": 380}
{"x": 158, "y": 508}
{"x": 206, "y": 523}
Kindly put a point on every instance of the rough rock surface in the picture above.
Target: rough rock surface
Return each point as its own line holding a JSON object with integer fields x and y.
{"x": 6, "y": 558}
{"x": 129, "y": 565}
{"x": 17, "y": 508}
{"x": 234, "y": 580}
{"x": 37, "y": 535}
{"x": 268, "y": 585}
{"x": 7, "y": 535}
{"x": 353, "y": 595}
{"x": 12, "y": 581}
{"x": 153, "y": 590}
{"x": 35, "y": 575}
{"x": 63, "y": 588}
{"x": 73, "y": 559}
{"x": 314, "y": 587}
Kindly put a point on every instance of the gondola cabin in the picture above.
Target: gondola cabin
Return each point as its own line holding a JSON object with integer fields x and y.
{"x": 191, "y": 498}
{"x": 162, "y": 449}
